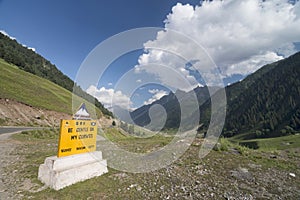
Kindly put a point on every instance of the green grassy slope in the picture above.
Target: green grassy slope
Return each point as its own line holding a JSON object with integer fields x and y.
{"x": 278, "y": 143}
{"x": 38, "y": 92}
{"x": 15, "y": 53}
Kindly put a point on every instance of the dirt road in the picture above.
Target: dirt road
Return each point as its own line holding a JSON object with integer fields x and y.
{"x": 12, "y": 129}
{"x": 6, "y": 146}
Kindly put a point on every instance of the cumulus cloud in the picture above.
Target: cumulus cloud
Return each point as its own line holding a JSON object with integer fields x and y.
{"x": 252, "y": 64}
{"x": 157, "y": 94}
{"x": 239, "y": 36}
{"x": 110, "y": 97}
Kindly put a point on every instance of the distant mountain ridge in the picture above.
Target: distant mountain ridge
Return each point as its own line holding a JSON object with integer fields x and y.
{"x": 171, "y": 103}
{"x": 264, "y": 104}
{"x": 13, "y": 52}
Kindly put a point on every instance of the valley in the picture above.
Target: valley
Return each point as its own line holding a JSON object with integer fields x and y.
{"x": 256, "y": 155}
{"x": 229, "y": 171}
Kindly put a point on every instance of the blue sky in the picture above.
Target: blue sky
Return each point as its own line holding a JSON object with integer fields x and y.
{"x": 65, "y": 31}
{"x": 239, "y": 36}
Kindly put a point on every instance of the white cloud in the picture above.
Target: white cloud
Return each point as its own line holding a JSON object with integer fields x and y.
{"x": 6, "y": 34}
{"x": 109, "y": 84}
{"x": 139, "y": 81}
{"x": 13, "y": 38}
{"x": 252, "y": 64}
{"x": 110, "y": 97}
{"x": 240, "y": 37}
{"x": 157, "y": 94}
{"x": 31, "y": 48}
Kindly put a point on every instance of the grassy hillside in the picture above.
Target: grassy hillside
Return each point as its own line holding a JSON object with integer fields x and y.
{"x": 35, "y": 91}
{"x": 13, "y": 52}
{"x": 269, "y": 144}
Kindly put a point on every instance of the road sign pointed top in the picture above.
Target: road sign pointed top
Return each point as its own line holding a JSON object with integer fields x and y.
{"x": 82, "y": 113}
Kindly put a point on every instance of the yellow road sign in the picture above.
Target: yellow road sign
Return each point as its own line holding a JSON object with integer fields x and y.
{"x": 77, "y": 136}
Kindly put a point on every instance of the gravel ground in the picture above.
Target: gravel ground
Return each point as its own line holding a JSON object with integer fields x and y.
{"x": 221, "y": 175}
{"x": 7, "y": 145}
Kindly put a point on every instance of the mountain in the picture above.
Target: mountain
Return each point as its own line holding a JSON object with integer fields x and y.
{"x": 171, "y": 104}
{"x": 26, "y": 59}
{"x": 265, "y": 104}
{"x": 27, "y": 99}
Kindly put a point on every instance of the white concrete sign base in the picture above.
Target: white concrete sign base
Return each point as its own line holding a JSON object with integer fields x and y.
{"x": 58, "y": 173}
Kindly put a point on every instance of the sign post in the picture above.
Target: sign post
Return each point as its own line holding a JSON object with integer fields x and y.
{"x": 77, "y": 158}
{"x": 77, "y": 136}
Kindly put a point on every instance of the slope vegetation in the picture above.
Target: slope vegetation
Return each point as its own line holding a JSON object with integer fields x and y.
{"x": 265, "y": 104}
{"x": 13, "y": 52}
{"x": 37, "y": 92}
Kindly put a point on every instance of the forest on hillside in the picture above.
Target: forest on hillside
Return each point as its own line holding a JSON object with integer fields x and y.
{"x": 265, "y": 104}
{"x": 26, "y": 59}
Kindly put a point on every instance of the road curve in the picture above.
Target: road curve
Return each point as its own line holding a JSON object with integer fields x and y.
{"x": 14, "y": 129}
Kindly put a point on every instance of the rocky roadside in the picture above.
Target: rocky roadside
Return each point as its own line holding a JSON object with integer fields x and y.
{"x": 221, "y": 175}
{"x": 7, "y": 145}
{"x": 13, "y": 113}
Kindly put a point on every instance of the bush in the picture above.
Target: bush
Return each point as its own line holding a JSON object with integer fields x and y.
{"x": 222, "y": 145}
{"x": 242, "y": 149}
